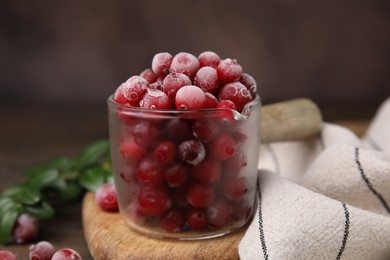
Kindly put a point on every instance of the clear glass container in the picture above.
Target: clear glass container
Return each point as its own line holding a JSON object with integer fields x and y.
{"x": 185, "y": 174}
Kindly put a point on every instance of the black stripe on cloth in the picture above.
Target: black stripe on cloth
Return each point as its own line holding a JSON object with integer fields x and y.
{"x": 346, "y": 232}
{"x": 367, "y": 181}
{"x": 274, "y": 158}
{"x": 262, "y": 239}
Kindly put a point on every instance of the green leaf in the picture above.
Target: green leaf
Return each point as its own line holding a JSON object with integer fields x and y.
{"x": 23, "y": 194}
{"x": 40, "y": 210}
{"x": 71, "y": 192}
{"x": 62, "y": 163}
{"x": 92, "y": 178}
{"x": 7, "y": 221}
{"x": 92, "y": 154}
{"x": 6, "y": 203}
{"x": 44, "y": 178}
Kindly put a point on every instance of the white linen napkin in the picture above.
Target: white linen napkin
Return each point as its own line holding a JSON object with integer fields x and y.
{"x": 324, "y": 198}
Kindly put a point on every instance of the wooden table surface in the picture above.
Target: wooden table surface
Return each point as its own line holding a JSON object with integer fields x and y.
{"x": 37, "y": 134}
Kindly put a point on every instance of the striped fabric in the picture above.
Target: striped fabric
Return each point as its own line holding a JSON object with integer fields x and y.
{"x": 324, "y": 198}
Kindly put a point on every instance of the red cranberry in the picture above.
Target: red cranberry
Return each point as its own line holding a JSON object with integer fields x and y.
{"x": 132, "y": 151}
{"x": 7, "y": 255}
{"x": 229, "y": 71}
{"x": 208, "y": 170}
{"x": 190, "y": 98}
{"x": 250, "y": 83}
{"x": 149, "y": 75}
{"x": 237, "y": 93}
{"x": 185, "y": 63}
{"x": 177, "y": 175}
{"x": 165, "y": 152}
{"x": 150, "y": 172}
{"x": 41, "y": 251}
{"x": 223, "y": 147}
{"x": 179, "y": 197}
{"x": 178, "y": 129}
{"x": 205, "y": 130}
{"x": 25, "y": 229}
{"x": 227, "y": 106}
{"x": 235, "y": 164}
{"x": 66, "y": 254}
{"x": 241, "y": 211}
{"x": 161, "y": 63}
{"x": 106, "y": 197}
{"x": 153, "y": 201}
{"x": 207, "y": 79}
{"x": 192, "y": 152}
{"x": 200, "y": 195}
{"x": 235, "y": 188}
{"x": 155, "y": 99}
{"x": 119, "y": 96}
{"x": 196, "y": 218}
{"x": 211, "y": 101}
{"x": 219, "y": 214}
{"x": 209, "y": 58}
{"x": 145, "y": 133}
{"x": 173, "y": 221}
{"x": 134, "y": 89}
{"x": 173, "y": 82}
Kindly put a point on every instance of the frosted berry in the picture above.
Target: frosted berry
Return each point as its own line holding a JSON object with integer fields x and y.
{"x": 229, "y": 71}
{"x": 150, "y": 172}
{"x": 145, "y": 133}
{"x": 41, "y": 251}
{"x": 235, "y": 164}
{"x": 223, "y": 147}
{"x": 200, "y": 195}
{"x": 207, "y": 79}
{"x": 7, "y": 255}
{"x": 190, "y": 98}
{"x": 106, "y": 197}
{"x": 209, "y": 58}
{"x": 25, "y": 229}
{"x": 208, "y": 171}
{"x": 119, "y": 96}
{"x": 149, "y": 75}
{"x": 191, "y": 151}
{"x": 161, "y": 63}
{"x": 173, "y": 221}
{"x": 165, "y": 152}
{"x": 133, "y": 90}
{"x": 235, "y": 188}
{"x": 155, "y": 99}
{"x": 205, "y": 130}
{"x": 237, "y": 93}
{"x": 196, "y": 218}
{"x": 219, "y": 214}
{"x": 66, "y": 254}
{"x": 173, "y": 82}
{"x": 250, "y": 83}
{"x": 211, "y": 101}
{"x": 153, "y": 201}
{"x": 185, "y": 63}
{"x": 131, "y": 151}
{"x": 177, "y": 175}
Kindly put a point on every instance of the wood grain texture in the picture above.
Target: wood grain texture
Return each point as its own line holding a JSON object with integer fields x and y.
{"x": 108, "y": 237}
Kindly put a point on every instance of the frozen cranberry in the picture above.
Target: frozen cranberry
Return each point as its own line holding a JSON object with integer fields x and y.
{"x": 235, "y": 164}
{"x": 7, "y": 255}
{"x": 119, "y": 96}
{"x": 173, "y": 82}
{"x": 207, "y": 79}
{"x": 25, "y": 229}
{"x": 229, "y": 71}
{"x": 165, "y": 152}
{"x": 106, "y": 197}
{"x": 185, "y": 63}
{"x": 191, "y": 151}
{"x": 190, "y": 98}
{"x": 209, "y": 58}
{"x": 145, "y": 133}
{"x": 176, "y": 175}
{"x": 41, "y": 251}
{"x": 156, "y": 86}
{"x": 200, "y": 195}
{"x": 226, "y": 106}
{"x": 235, "y": 188}
{"x": 178, "y": 129}
{"x": 237, "y": 93}
{"x": 241, "y": 211}
{"x": 131, "y": 151}
{"x": 153, "y": 201}
{"x": 155, "y": 99}
{"x": 208, "y": 171}
{"x": 250, "y": 83}
{"x": 179, "y": 197}
{"x": 66, "y": 254}
{"x": 161, "y": 63}
{"x": 205, "y": 130}
{"x": 173, "y": 221}
{"x": 149, "y": 75}
{"x": 219, "y": 214}
{"x": 196, "y": 218}
{"x": 150, "y": 172}
{"x": 211, "y": 101}
{"x": 134, "y": 89}
{"x": 223, "y": 147}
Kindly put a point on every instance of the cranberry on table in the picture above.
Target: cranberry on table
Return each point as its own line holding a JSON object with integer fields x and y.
{"x": 25, "y": 229}
{"x": 7, "y": 255}
{"x": 66, "y": 254}
{"x": 106, "y": 197}
{"x": 43, "y": 250}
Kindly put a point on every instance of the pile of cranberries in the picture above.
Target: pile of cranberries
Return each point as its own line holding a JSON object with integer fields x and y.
{"x": 184, "y": 171}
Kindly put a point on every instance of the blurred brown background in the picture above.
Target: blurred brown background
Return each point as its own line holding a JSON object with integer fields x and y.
{"x": 68, "y": 53}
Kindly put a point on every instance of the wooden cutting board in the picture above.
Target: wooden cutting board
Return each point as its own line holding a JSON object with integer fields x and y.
{"x": 108, "y": 237}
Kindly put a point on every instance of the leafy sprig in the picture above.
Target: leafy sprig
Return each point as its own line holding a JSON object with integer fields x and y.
{"x": 62, "y": 179}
